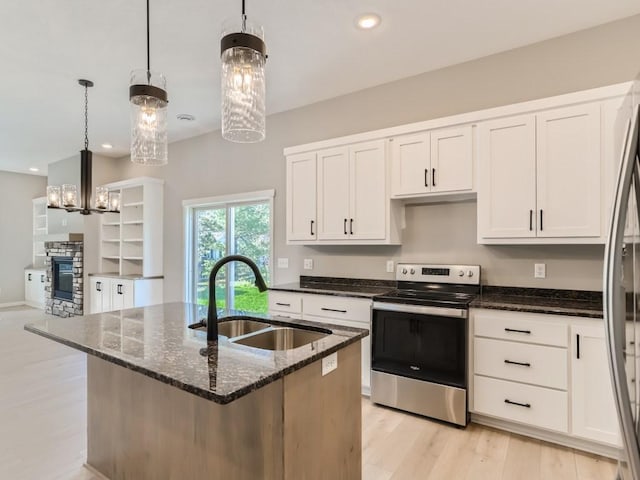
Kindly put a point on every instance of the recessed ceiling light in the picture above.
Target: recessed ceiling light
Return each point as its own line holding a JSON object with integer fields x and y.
{"x": 34, "y": 169}
{"x": 107, "y": 146}
{"x": 186, "y": 117}
{"x": 368, "y": 21}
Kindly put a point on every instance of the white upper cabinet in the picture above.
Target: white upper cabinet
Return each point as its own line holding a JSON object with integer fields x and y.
{"x": 440, "y": 161}
{"x": 507, "y": 178}
{"x": 345, "y": 200}
{"x": 569, "y": 172}
{"x": 368, "y": 198}
{"x": 301, "y": 197}
{"x": 333, "y": 193}
{"x": 541, "y": 177}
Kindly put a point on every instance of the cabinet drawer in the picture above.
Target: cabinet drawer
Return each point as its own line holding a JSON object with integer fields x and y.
{"x": 535, "y": 364}
{"x": 538, "y": 406}
{"x": 285, "y": 302}
{"x": 345, "y": 308}
{"x": 521, "y": 328}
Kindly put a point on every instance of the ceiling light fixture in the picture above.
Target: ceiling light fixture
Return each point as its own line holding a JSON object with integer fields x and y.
{"x": 107, "y": 146}
{"x": 67, "y": 197}
{"x": 148, "y": 98}
{"x": 244, "y": 55}
{"x": 34, "y": 169}
{"x": 368, "y": 21}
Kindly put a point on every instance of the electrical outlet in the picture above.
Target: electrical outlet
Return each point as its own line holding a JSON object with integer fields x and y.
{"x": 308, "y": 263}
{"x": 283, "y": 263}
{"x": 540, "y": 270}
{"x": 389, "y": 266}
{"x": 330, "y": 363}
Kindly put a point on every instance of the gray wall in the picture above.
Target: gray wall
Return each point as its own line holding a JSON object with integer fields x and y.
{"x": 207, "y": 165}
{"x": 16, "y": 231}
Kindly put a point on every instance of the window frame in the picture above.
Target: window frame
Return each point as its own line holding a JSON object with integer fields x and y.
{"x": 191, "y": 206}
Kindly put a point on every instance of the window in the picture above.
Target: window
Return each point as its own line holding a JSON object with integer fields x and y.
{"x": 231, "y": 225}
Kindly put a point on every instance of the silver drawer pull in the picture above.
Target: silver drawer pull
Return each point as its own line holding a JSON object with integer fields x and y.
{"x": 525, "y": 405}
{"x": 333, "y": 310}
{"x": 522, "y": 364}
{"x": 283, "y": 304}
{"x": 513, "y": 330}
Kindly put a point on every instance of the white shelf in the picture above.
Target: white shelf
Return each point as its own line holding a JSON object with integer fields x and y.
{"x": 133, "y": 240}
{"x": 111, "y": 240}
{"x": 111, "y": 224}
{"x": 133, "y": 204}
{"x": 111, "y": 257}
{"x": 137, "y": 259}
{"x": 133, "y": 222}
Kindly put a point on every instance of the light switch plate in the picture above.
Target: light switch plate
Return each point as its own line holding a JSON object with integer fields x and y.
{"x": 390, "y": 266}
{"x": 330, "y": 363}
{"x": 283, "y": 263}
{"x": 308, "y": 263}
{"x": 540, "y": 270}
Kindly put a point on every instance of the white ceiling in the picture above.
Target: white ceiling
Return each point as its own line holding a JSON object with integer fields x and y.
{"x": 315, "y": 53}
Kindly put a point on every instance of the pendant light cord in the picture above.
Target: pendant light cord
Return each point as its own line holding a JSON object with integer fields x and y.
{"x": 86, "y": 117}
{"x": 148, "y": 48}
{"x": 244, "y": 19}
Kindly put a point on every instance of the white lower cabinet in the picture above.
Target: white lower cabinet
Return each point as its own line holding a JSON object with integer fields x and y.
{"x": 330, "y": 309}
{"x": 593, "y": 407}
{"x": 34, "y": 280}
{"x": 547, "y": 372}
{"x": 113, "y": 293}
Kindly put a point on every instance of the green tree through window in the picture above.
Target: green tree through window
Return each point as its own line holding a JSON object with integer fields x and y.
{"x": 243, "y": 229}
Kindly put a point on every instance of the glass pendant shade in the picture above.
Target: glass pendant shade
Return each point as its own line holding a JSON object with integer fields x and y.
{"x": 243, "y": 84}
{"x": 114, "y": 201}
{"x": 69, "y": 195}
{"x": 148, "y": 99}
{"x": 102, "y": 198}
{"x": 53, "y": 196}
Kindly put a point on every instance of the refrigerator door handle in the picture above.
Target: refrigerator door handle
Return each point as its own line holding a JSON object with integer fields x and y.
{"x": 614, "y": 305}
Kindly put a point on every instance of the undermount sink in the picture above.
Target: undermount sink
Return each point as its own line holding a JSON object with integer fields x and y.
{"x": 256, "y": 334}
{"x": 237, "y": 328}
{"x": 285, "y": 338}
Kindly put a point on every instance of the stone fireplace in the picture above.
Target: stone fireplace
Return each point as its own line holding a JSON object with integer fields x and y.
{"x": 64, "y": 283}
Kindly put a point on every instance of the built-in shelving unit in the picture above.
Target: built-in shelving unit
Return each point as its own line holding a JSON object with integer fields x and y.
{"x": 40, "y": 229}
{"x": 131, "y": 241}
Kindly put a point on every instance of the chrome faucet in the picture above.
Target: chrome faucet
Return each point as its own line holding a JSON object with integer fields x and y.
{"x": 212, "y": 315}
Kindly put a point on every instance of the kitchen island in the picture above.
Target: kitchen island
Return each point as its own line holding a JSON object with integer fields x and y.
{"x": 162, "y": 403}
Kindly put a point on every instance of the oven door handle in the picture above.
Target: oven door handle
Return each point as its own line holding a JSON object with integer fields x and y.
{"x": 420, "y": 309}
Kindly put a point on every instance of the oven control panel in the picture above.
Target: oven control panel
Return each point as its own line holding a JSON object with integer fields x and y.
{"x": 421, "y": 272}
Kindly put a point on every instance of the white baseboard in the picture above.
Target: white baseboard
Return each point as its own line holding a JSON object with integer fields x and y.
{"x": 12, "y": 304}
{"x": 547, "y": 436}
{"x": 39, "y": 306}
{"x": 94, "y": 471}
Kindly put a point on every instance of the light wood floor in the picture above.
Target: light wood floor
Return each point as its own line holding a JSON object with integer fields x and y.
{"x": 43, "y": 428}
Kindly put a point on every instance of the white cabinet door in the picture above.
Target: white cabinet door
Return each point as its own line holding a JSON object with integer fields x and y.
{"x": 368, "y": 193}
{"x": 99, "y": 294}
{"x": 593, "y": 408}
{"x": 568, "y": 172}
{"x": 333, "y": 194}
{"x": 507, "y": 178}
{"x": 410, "y": 164}
{"x": 122, "y": 294}
{"x": 301, "y": 197}
{"x": 451, "y": 160}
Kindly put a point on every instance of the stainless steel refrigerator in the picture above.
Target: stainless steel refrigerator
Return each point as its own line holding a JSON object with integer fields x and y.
{"x": 622, "y": 298}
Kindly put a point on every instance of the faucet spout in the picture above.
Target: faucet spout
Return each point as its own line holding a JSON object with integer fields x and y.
{"x": 212, "y": 313}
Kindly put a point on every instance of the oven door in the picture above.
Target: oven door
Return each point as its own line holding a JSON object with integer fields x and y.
{"x": 424, "y": 343}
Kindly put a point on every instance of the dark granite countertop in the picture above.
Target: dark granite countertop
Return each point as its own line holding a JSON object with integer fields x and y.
{"x": 156, "y": 342}
{"x": 343, "y": 287}
{"x": 576, "y": 303}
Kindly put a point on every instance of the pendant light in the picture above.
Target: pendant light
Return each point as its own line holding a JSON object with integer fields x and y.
{"x": 67, "y": 197}
{"x": 148, "y": 98}
{"x": 244, "y": 56}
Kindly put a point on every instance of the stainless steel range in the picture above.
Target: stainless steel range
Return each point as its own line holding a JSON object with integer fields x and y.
{"x": 419, "y": 341}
